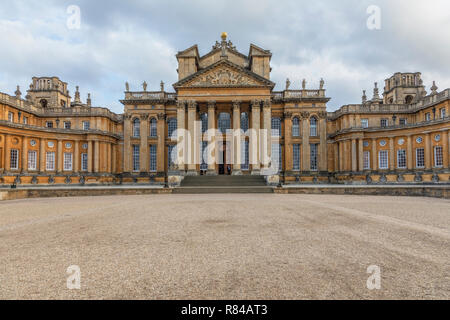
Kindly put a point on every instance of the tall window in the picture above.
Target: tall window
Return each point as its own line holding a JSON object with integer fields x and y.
{"x": 25, "y": 120}
{"x": 153, "y": 128}
{"x": 401, "y": 159}
{"x": 366, "y": 158}
{"x": 224, "y": 122}
{"x": 420, "y": 158}
{"x": 427, "y": 116}
{"x": 153, "y": 158}
{"x": 314, "y": 151}
{"x": 276, "y": 127}
{"x": 438, "y": 157}
{"x": 49, "y": 124}
{"x": 84, "y": 162}
{"x": 296, "y": 157}
{"x": 313, "y": 127}
{"x": 384, "y": 123}
{"x": 383, "y": 159}
{"x": 10, "y": 117}
{"x": 171, "y": 126}
{"x": 403, "y": 121}
{"x": 277, "y": 161}
{"x": 32, "y": 160}
{"x": 67, "y": 161}
{"x": 14, "y": 159}
{"x": 172, "y": 155}
{"x": 365, "y": 123}
{"x": 245, "y": 166}
{"x": 244, "y": 121}
{"x": 442, "y": 112}
{"x": 67, "y": 125}
{"x": 86, "y": 125}
{"x": 136, "y": 128}
{"x": 204, "y": 120}
{"x": 136, "y": 158}
{"x": 296, "y": 127}
{"x": 204, "y": 156}
{"x": 50, "y": 161}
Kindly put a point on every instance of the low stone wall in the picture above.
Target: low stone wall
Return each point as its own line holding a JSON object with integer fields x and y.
{"x": 15, "y": 194}
{"x": 411, "y": 191}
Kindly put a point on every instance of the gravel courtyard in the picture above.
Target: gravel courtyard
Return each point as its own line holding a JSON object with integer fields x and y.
{"x": 225, "y": 247}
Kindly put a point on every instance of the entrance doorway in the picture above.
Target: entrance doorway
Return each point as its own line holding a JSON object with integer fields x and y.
{"x": 224, "y": 162}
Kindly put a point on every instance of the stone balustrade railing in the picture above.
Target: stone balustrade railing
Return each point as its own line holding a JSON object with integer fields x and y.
{"x": 392, "y": 108}
{"x": 148, "y": 95}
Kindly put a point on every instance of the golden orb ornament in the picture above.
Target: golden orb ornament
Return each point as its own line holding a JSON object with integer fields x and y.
{"x": 224, "y": 36}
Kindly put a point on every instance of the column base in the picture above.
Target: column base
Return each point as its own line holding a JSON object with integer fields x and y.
{"x": 256, "y": 172}
{"x": 236, "y": 172}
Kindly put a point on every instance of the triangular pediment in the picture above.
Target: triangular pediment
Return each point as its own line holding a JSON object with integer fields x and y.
{"x": 224, "y": 74}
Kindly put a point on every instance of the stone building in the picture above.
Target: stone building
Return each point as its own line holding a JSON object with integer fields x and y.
{"x": 225, "y": 118}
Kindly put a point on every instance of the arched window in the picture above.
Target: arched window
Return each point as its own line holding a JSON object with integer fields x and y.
{"x": 43, "y": 103}
{"x": 244, "y": 121}
{"x": 224, "y": 122}
{"x": 313, "y": 127}
{"x": 409, "y": 99}
{"x": 172, "y": 125}
{"x": 204, "y": 120}
{"x": 153, "y": 128}
{"x": 276, "y": 127}
{"x": 296, "y": 127}
{"x": 136, "y": 128}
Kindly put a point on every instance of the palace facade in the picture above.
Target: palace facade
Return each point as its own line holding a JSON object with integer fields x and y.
{"x": 227, "y": 119}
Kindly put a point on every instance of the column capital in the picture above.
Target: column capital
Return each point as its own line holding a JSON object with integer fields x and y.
{"x": 161, "y": 116}
{"x": 127, "y": 116}
{"x": 237, "y": 104}
{"x": 181, "y": 104}
{"x": 192, "y": 104}
{"x": 256, "y": 103}
{"x": 287, "y": 115}
{"x": 305, "y": 114}
{"x": 144, "y": 116}
{"x": 211, "y": 104}
{"x": 267, "y": 104}
{"x": 322, "y": 114}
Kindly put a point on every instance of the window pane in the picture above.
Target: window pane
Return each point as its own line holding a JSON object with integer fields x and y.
{"x": 366, "y": 160}
{"x": 420, "y": 158}
{"x": 32, "y": 160}
{"x": 84, "y": 162}
{"x": 295, "y": 127}
{"x": 438, "y": 157}
{"x": 153, "y": 128}
{"x": 153, "y": 158}
{"x": 401, "y": 159}
{"x": 383, "y": 159}
{"x": 172, "y": 126}
{"x": 313, "y": 127}
{"x": 50, "y": 161}
{"x": 14, "y": 159}
{"x": 276, "y": 127}
{"x": 136, "y": 158}
{"x": 244, "y": 121}
{"x": 224, "y": 122}
{"x": 136, "y": 128}
{"x": 314, "y": 156}
{"x": 296, "y": 157}
{"x": 245, "y": 156}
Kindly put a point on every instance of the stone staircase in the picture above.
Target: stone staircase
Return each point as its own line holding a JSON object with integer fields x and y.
{"x": 223, "y": 184}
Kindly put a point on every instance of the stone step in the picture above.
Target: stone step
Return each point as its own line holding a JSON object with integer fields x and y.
{"x": 223, "y": 181}
{"x": 222, "y": 190}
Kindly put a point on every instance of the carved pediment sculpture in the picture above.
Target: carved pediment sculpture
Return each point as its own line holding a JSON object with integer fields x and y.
{"x": 223, "y": 77}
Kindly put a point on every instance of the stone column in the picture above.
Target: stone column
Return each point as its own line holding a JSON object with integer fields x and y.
{"x": 143, "y": 150}
{"x": 267, "y": 122}
{"x": 76, "y": 157}
{"x": 42, "y": 155}
{"x": 212, "y": 138}
{"x": 409, "y": 153}
{"x": 96, "y": 156}
{"x": 90, "y": 156}
{"x": 306, "y": 164}
{"x": 336, "y": 156}
{"x": 341, "y": 156}
{"x": 126, "y": 145}
{"x": 7, "y": 154}
{"x": 354, "y": 157}
{"x": 161, "y": 151}
{"x": 59, "y": 157}
{"x": 192, "y": 145}
{"x": 181, "y": 139}
{"x": 24, "y": 154}
{"x": 428, "y": 152}
{"x": 255, "y": 136}
{"x": 237, "y": 138}
{"x": 323, "y": 149}
{"x": 108, "y": 158}
{"x": 374, "y": 155}
{"x": 391, "y": 154}
{"x": 445, "y": 145}
{"x": 114, "y": 158}
{"x": 361, "y": 154}
{"x": 288, "y": 152}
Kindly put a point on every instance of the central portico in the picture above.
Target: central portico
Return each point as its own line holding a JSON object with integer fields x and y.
{"x": 224, "y": 119}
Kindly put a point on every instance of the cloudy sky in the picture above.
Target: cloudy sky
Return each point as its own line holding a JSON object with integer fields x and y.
{"x": 137, "y": 40}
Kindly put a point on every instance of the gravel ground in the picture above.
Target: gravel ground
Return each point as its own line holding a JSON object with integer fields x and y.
{"x": 225, "y": 247}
